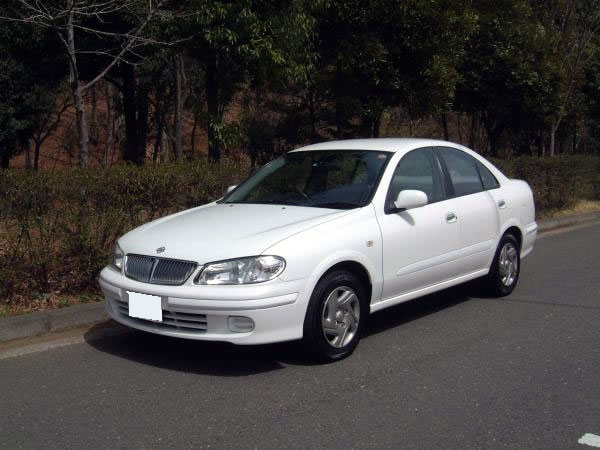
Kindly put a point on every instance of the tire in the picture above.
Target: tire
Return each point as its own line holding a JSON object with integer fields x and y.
{"x": 504, "y": 272}
{"x": 336, "y": 316}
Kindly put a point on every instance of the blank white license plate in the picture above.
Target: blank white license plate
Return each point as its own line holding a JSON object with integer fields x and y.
{"x": 145, "y": 306}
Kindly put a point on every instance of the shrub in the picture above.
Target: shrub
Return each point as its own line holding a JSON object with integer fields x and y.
{"x": 57, "y": 230}
{"x": 556, "y": 182}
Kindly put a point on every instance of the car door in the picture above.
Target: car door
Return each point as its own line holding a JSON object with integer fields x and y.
{"x": 477, "y": 212}
{"x": 420, "y": 245}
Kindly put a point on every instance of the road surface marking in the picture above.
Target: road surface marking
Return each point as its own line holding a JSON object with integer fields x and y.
{"x": 590, "y": 439}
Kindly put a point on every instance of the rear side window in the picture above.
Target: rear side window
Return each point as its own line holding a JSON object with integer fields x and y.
{"x": 463, "y": 172}
{"x": 487, "y": 177}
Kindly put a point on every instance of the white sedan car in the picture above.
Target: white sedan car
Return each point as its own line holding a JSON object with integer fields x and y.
{"x": 316, "y": 240}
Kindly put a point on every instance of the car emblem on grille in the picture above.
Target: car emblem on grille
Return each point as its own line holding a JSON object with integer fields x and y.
{"x": 160, "y": 249}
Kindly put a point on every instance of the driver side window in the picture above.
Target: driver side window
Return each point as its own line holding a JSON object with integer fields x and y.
{"x": 418, "y": 170}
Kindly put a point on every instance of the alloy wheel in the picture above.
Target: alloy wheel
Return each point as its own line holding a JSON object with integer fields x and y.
{"x": 508, "y": 264}
{"x": 340, "y": 316}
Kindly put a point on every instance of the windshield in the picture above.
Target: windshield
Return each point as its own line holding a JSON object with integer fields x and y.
{"x": 340, "y": 179}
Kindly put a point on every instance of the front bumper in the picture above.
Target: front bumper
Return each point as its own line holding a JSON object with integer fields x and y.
{"x": 201, "y": 312}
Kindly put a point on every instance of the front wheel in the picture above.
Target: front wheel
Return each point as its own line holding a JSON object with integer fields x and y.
{"x": 505, "y": 269}
{"x": 335, "y": 318}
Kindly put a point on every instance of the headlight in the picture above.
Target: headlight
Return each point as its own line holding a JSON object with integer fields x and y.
{"x": 118, "y": 257}
{"x": 255, "y": 269}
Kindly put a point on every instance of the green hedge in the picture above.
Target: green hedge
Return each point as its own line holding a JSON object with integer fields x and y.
{"x": 57, "y": 229}
{"x": 556, "y": 182}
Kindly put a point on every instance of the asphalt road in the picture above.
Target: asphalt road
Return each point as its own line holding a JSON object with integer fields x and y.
{"x": 450, "y": 370}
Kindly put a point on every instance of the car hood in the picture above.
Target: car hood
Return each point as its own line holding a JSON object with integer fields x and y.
{"x": 219, "y": 231}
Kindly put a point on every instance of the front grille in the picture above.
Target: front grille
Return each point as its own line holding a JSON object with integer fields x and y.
{"x": 149, "y": 269}
{"x": 191, "y": 323}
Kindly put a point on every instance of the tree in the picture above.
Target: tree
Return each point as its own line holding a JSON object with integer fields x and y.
{"x": 591, "y": 90}
{"x": 47, "y": 125}
{"x": 505, "y": 77}
{"x": 285, "y": 105}
{"x": 571, "y": 28}
{"x": 89, "y": 21}
{"x": 229, "y": 40}
{"x": 30, "y": 76}
{"x": 375, "y": 55}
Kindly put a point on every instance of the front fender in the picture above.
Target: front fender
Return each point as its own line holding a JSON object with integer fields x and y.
{"x": 355, "y": 237}
{"x": 348, "y": 256}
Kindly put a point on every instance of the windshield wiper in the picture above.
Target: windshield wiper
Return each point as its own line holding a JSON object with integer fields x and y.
{"x": 336, "y": 205}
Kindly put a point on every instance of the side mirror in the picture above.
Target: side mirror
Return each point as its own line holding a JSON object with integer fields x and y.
{"x": 230, "y": 188}
{"x": 409, "y": 198}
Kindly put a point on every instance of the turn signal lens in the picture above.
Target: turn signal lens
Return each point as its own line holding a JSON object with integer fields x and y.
{"x": 118, "y": 257}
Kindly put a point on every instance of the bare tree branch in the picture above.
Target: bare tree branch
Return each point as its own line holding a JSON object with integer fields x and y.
{"x": 68, "y": 17}
{"x": 132, "y": 37}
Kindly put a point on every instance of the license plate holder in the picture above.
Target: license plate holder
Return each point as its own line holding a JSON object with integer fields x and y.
{"x": 144, "y": 306}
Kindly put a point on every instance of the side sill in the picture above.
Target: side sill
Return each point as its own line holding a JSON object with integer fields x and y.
{"x": 427, "y": 290}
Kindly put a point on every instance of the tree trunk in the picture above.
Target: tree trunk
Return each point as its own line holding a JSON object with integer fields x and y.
{"x": 553, "y": 129}
{"x": 193, "y": 137}
{"x": 312, "y": 116}
{"x": 212, "y": 106}
{"x": 159, "y": 116}
{"x": 36, "y": 155}
{"x": 142, "y": 123}
{"x": 110, "y": 125}
{"x": 365, "y": 129}
{"x": 180, "y": 82}
{"x": 494, "y": 130}
{"x": 28, "y": 162}
{"x": 472, "y": 132}
{"x": 458, "y": 128}
{"x": 574, "y": 143}
{"x": 445, "y": 126}
{"x": 129, "y": 112}
{"x": 376, "y": 126}
{"x": 543, "y": 144}
{"x": 157, "y": 143}
{"x": 82, "y": 129}
{"x": 4, "y": 159}
{"x": 94, "y": 119}
{"x": 164, "y": 146}
{"x": 494, "y": 136}
{"x": 338, "y": 100}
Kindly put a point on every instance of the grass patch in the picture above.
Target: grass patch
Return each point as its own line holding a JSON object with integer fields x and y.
{"x": 43, "y": 302}
{"x": 578, "y": 207}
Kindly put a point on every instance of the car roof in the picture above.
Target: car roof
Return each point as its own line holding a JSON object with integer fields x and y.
{"x": 396, "y": 145}
{"x": 382, "y": 144}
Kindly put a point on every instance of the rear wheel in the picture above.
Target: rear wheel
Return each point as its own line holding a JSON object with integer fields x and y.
{"x": 335, "y": 317}
{"x": 505, "y": 269}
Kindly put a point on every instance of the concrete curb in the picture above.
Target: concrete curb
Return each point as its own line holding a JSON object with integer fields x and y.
{"x": 37, "y": 323}
{"x": 550, "y": 224}
{"x": 42, "y": 322}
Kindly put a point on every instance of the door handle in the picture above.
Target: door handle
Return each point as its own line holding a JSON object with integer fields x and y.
{"x": 451, "y": 217}
{"x": 501, "y": 204}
